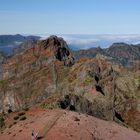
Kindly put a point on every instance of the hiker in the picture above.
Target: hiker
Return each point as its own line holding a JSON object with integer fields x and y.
{"x": 32, "y": 134}
{"x": 37, "y": 137}
{"x": 34, "y": 137}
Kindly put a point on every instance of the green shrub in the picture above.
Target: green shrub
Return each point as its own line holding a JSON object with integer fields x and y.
{"x": 2, "y": 123}
{"x": 88, "y": 81}
{"x": 10, "y": 126}
{"x": 23, "y": 118}
{"x": 21, "y": 113}
{"x": 26, "y": 109}
{"x": 16, "y": 117}
{"x": 14, "y": 122}
{"x": 20, "y": 131}
{"x": 49, "y": 106}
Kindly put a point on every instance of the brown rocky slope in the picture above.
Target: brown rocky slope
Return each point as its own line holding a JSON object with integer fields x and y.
{"x": 61, "y": 125}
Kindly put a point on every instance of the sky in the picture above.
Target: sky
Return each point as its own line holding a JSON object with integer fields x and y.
{"x": 70, "y": 16}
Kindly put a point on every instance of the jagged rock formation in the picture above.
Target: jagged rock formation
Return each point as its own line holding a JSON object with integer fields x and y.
{"x": 60, "y": 49}
{"x": 109, "y": 92}
{"x": 91, "y": 87}
{"x": 88, "y": 88}
{"x": 33, "y": 75}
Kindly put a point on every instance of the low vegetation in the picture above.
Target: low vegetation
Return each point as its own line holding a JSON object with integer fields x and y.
{"x": 26, "y": 109}
{"x": 21, "y": 113}
{"x": 23, "y": 118}
{"x": 16, "y": 117}
{"x": 10, "y": 125}
{"x": 14, "y": 122}
{"x": 2, "y": 123}
{"x": 49, "y": 106}
{"x": 20, "y": 117}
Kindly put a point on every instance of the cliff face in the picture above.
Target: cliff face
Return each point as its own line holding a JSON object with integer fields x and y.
{"x": 47, "y": 72}
{"x": 98, "y": 88}
{"x": 32, "y": 75}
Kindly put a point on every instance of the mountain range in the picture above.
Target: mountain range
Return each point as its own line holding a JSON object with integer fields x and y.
{"x": 12, "y": 44}
{"x": 118, "y": 53}
{"x": 75, "y": 42}
{"x": 46, "y": 75}
{"x": 8, "y": 42}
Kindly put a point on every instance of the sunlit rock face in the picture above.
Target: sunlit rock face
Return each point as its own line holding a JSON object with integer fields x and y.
{"x": 31, "y": 76}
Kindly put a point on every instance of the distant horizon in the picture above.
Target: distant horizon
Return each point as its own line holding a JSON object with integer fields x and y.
{"x": 39, "y": 34}
{"x": 85, "y": 41}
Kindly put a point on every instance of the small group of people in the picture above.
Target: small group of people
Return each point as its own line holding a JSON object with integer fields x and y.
{"x": 34, "y": 135}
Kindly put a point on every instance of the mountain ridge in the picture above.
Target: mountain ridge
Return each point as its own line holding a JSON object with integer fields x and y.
{"x": 121, "y": 53}
{"x": 47, "y": 74}
{"x": 8, "y": 42}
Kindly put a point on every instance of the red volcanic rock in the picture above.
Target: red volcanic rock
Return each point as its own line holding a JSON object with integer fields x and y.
{"x": 62, "y": 125}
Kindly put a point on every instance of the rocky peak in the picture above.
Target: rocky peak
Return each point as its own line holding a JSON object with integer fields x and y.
{"x": 59, "y": 48}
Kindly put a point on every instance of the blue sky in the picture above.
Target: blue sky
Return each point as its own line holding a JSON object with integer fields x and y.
{"x": 70, "y": 16}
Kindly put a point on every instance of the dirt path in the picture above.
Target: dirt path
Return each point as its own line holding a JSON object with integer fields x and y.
{"x": 66, "y": 125}
{"x": 50, "y": 124}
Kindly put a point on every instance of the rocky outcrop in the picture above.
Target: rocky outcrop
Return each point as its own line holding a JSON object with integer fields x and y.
{"x": 33, "y": 75}
{"x": 98, "y": 88}
{"x": 88, "y": 83}
{"x": 83, "y": 105}
{"x": 60, "y": 49}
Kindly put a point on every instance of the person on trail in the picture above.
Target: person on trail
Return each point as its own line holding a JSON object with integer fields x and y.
{"x": 37, "y": 137}
{"x": 34, "y": 137}
{"x": 32, "y": 134}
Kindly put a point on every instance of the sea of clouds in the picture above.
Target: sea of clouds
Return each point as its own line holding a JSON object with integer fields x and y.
{"x": 77, "y": 42}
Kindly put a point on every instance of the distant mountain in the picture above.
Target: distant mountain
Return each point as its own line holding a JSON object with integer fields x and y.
{"x": 120, "y": 53}
{"x": 23, "y": 46}
{"x": 77, "y": 42}
{"x": 123, "y": 50}
{"x": 8, "y": 42}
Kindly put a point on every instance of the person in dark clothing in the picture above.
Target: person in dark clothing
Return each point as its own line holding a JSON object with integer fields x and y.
{"x": 32, "y": 134}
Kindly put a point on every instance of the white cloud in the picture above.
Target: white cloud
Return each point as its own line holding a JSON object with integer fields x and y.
{"x": 135, "y": 43}
{"x": 87, "y": 41}
{"x": 81, "y": 41}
